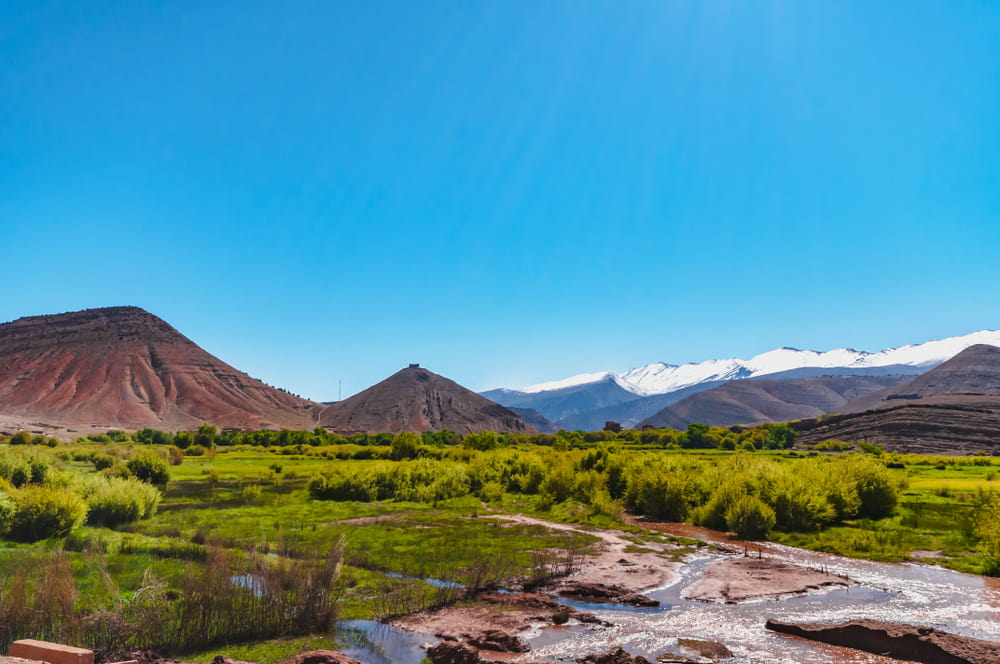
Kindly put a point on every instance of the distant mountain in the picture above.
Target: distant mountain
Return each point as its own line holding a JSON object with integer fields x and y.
{"x": 124, "y": 367}
{"x": 976, "y": 370}
{"x": 630, "y": 413}
{"x": 415, "y": 399}
{"x": 573, "y": 402}
{"x": 952, "y": 408}
{"x": 558, "y": 403}
{"x": 535, "y": 419}
{"x": 759, "y": 400}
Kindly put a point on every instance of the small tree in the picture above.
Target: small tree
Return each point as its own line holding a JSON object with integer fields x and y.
{"x": 20, "y": 438}
{"x": 750, "y": 517}
{"x": 405, "y": 445}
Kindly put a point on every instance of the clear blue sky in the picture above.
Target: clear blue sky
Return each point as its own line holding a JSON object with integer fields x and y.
{"x": 507, "y": 191}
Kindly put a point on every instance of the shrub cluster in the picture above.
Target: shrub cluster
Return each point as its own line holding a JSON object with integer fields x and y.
{"x": 37, "y": 502}
{"x": 744, "y": 493}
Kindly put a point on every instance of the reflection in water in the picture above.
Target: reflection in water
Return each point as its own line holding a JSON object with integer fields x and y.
{"x": 373, "y": 642}
{"x": 917, "y": 594}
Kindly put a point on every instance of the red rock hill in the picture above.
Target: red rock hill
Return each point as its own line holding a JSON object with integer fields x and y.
{"x": 124, "y": 367}
{"x": 415, "y": 399}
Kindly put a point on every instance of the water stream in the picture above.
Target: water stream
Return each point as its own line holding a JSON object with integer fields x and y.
{"x": 908, "y": 593}
{"x": 917, "y": 594}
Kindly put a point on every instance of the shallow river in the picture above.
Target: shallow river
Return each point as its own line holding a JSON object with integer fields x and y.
{"x": 909, "y": 593}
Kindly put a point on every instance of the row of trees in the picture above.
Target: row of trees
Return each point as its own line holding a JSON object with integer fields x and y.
{"x": 697, "y": 436}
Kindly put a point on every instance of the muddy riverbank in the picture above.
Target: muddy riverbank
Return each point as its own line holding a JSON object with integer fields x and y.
{"x": 815, "y": 589}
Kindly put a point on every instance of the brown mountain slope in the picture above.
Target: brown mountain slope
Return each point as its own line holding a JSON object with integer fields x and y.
{"x": 953, "y": 408}
{"x": 124, "y": 367}
{"x": 768, "y": 400}
{"x": 976, "y": 370}
{"x": 415, "y": 399}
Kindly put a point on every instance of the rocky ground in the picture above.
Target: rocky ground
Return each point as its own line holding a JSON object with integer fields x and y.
{"x": 907, "y": 642}
{"x": 617, "y": 563}
{"x": 489, "y": 613}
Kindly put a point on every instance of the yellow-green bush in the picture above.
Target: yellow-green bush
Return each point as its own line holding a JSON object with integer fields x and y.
{"x": 44, "y": 512}
{"x": 113, "y": 501}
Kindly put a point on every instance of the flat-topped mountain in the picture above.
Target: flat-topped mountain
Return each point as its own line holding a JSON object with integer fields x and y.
{"x": 415, "y": 399}
{"x": 125, "y": 367}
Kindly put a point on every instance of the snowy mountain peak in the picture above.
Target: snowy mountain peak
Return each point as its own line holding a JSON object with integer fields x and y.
{"x": 662, "y": 378}
{"x": 573, "y": 381}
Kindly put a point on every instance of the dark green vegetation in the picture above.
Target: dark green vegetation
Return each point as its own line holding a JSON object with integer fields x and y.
{"x": 697, "y": 436}
{"x": 291, "y": 530}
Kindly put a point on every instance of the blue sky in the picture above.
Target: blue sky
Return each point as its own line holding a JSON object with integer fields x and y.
{"x": 506, "y": 192}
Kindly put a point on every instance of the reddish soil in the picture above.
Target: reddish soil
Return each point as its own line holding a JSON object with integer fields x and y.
{"x": 415, "y": 399}
{"x": 742, "y": 579}
{"x": 907, "y": 642}
{"x": 491, "y": 612}
{"x": 124, "y": 367}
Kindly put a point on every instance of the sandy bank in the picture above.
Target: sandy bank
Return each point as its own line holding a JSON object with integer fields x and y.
{"x": 617, "y": 563}
{"x": 743, "y": 579}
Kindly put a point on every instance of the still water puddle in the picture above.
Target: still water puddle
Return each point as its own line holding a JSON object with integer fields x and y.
{"x": 373, "y": 642}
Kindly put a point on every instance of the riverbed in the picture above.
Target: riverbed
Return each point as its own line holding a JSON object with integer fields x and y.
{"x": 908, "y": 593}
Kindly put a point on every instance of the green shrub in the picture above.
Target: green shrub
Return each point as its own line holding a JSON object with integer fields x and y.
{"x": 119, "y": 470}
{"x": 750, "y": 517}
{"x": 250, "y": 493}
{"x": 662, "y": 488}
{"x": 337, "y": 486}
{"x": 21, "y": 469}
{"x": 149, "y": 466}
{"x": 113, "y": 501}
{"x": 44, "y": 512}
{"x": 20, "y": 438}
{"x": 833, "y": 446}
{"x": 876, "y": 489}
{"x": 405, "y": 445}
{"x": 8, "y": 507}
{"x": 102, "y": 461}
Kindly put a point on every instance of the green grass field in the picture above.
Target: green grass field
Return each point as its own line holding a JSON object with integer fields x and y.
{"x": 252, "y": 502}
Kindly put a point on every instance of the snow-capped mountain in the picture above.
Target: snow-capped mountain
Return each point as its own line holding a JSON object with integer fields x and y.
{"x": 580, "y": 379}
{"x": 661, "y": 378}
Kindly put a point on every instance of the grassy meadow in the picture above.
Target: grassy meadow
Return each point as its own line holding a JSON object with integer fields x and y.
{"x": 290, "y": 538}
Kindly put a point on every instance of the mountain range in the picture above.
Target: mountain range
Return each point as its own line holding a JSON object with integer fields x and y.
{"x": 123, "y": 367}
{"x": 586, "y": 401}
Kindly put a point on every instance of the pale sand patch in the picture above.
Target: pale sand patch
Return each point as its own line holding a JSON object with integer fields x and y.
{"x": 364, "y": 520}
{"x": 613, "y": 565}
{"x": 742, "y": 579}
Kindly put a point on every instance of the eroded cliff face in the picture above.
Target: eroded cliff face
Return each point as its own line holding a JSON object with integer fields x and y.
{"x": 124, "y": 367}
{"x": 415, "y": 399}
{"x": 946, "y": 424}
{"x": 952, "y": 409}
